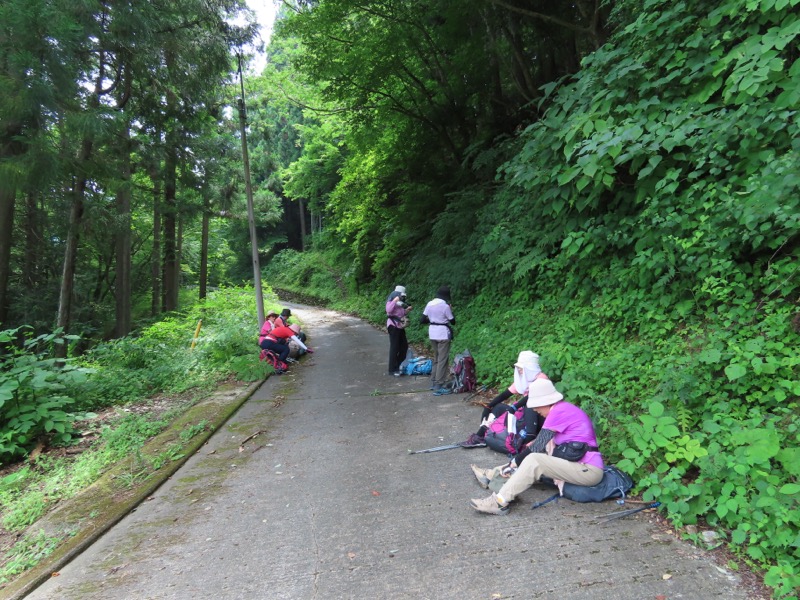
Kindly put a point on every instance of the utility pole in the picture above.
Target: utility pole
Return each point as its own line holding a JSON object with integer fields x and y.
{"x": 250, "y": 213}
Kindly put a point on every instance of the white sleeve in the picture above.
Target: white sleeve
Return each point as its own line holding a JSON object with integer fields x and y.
{"x": 302, "y": 345}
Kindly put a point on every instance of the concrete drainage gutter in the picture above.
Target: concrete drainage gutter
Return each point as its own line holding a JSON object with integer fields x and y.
{"x": 81, "y": 520}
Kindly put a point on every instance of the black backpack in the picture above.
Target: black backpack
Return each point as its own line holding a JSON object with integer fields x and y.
{"x": 615, "y": 484}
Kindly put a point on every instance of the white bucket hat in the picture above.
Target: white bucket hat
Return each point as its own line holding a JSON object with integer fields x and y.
{"x": 542, "y": 392}
{"x": 400, "y": 289}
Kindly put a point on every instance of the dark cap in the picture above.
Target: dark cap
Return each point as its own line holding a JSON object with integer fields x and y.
{"x": 286, "y": 313}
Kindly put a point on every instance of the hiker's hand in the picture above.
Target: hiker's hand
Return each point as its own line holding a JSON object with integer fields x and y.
{"x": 508, "y": 470}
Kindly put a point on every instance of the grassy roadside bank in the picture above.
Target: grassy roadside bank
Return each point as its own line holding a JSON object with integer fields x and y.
{"x": 70, "y": 525}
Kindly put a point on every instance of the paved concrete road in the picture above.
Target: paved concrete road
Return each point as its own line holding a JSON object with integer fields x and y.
{"x": 326, "y": 503}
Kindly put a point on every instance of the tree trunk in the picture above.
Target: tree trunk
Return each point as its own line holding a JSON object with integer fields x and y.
{"x": 122, "y": 286}
{"x": 170, "y": 282}
{"x": 178, "y": 254}
{"x": 33, "y": 240}
{"x": 155, "y": 262}
{"x": 204, "y": 252}
{"x": 71, "y": 250}
{"x": 7, "y": 200}
{"x": 302, "y": 225}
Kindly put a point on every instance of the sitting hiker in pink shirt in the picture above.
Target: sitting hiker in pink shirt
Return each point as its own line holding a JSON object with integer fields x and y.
{"x": 563, "y": 422}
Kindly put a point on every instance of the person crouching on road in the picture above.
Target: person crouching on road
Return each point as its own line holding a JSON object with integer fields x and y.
{"x": 274, "y": 335}
{"x": 396, "y": 313}
{"x": 563, "y": 422}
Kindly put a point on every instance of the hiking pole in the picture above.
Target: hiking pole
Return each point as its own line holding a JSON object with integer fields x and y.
{"x": 478, "y": 391}
{"x": 626, "y": 513}
{"x": 555, "y": 496}
{"x": 436, "y": 449}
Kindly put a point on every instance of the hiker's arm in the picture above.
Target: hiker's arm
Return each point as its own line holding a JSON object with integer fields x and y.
{"x": 501, "y": 397}
{"x": 530, "y": 423}
{"x": 538, "y": 445}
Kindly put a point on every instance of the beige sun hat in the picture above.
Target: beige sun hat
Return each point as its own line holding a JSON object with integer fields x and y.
{"x": 542, "y": 392}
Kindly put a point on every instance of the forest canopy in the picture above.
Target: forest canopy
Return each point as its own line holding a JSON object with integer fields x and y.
{"x": 613, "y": 185}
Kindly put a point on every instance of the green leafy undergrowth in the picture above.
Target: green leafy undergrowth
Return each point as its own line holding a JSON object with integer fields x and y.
{"x": 166, "y": 356}
{"x": 35, "y": 402}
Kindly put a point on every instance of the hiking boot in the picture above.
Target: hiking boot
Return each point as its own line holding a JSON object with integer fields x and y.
{"x": 489, "y": 505}
{"x": 397, "y": 373}
{"x": 474, "y": 441}
{"x": 481, "y": 475}
{"x": 443, "y": 391}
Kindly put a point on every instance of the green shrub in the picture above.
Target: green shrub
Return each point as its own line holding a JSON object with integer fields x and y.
{"x": 34, "y": 404}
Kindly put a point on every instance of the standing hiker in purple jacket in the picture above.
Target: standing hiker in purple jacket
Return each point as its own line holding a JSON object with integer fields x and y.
{"x": 396, "y": 311}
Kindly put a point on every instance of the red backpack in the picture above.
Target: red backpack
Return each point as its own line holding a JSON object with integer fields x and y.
{"x": 463, "y": 371}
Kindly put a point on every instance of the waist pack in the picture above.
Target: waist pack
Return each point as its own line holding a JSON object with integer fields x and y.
{"x": 573, "y": 451}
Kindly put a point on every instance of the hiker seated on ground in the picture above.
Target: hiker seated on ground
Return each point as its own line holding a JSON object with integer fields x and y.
{"x": 563, "y": 422}
{"x": 525, "y": 425}
{"x": 274, "y": 336}
{"x": 296, "y": 344}
{"x": 300, "y": 337}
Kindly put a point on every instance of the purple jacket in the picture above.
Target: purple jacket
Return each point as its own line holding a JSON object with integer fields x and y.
{"x": 395, "y": 312}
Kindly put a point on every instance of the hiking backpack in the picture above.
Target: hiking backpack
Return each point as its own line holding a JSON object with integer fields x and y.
{"x": 272, "y": 359}
{"x": 418, "y": 365}
{"x": 615, "y": 484}
{"x": 500, "y": 435}
{"x": 463, "y": 371}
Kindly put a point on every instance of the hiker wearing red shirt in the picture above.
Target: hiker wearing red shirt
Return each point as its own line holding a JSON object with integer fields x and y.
{"x": 274, "y": 335}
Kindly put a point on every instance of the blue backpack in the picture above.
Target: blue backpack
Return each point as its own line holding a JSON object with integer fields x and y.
{"x": 417, "y": 366}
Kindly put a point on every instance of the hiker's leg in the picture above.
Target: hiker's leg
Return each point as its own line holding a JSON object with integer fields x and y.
{"x": 537, "y": 465}
{"x": 394, "y": 346}
{"x": 435, "y": 381}
{"x": 441, "y": 363}
{"x": 402, "y": 348}
{"x": 283, "y": 351}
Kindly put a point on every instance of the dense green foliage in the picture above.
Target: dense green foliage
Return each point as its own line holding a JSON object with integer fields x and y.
{"x": 640, "y": 230}
{"x": 33, "y": 402}
{"x": 611, "y": 184}
{"x": 120, "y": 170}
{"x": 39, "y": 401}
{"x": 42, "y": 404}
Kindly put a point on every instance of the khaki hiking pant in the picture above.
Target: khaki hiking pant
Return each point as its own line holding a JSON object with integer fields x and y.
{"x": 440, "y": 374}
{"x": 538, "y": 465}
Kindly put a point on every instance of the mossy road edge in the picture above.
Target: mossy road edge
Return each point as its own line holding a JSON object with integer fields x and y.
{"x": 73, "y": 514}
